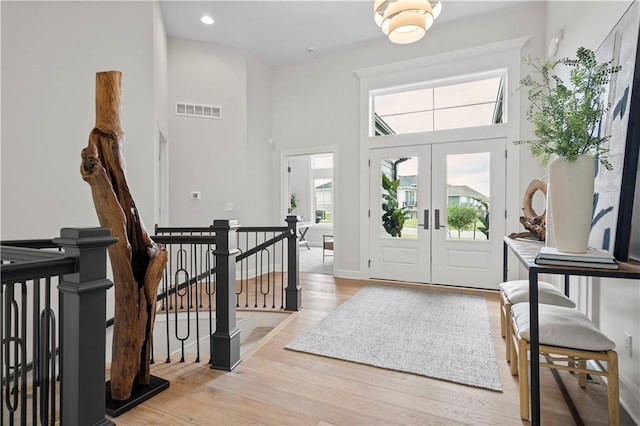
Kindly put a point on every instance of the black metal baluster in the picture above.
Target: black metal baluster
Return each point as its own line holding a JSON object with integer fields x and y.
{"x": 3, "y": 377}
{"x": 167, "y": 298}
{"x": 23, "y": 351}
{"x": 210, "y": 290}
{"x": 36, "y": 378}
{"x": 197, "y": 305}
{"x": 282, "y": 261}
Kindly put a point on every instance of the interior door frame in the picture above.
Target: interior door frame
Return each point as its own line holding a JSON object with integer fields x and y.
{"x": 477, "y": 60}
{"x": 162, "y": 177}
{"x": 284, "y": 191}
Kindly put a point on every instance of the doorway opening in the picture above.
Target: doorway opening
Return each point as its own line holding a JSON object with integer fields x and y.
{"x": 310, "y": 194}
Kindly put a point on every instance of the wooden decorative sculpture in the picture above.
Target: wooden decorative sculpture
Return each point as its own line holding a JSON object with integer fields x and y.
{"x": 137, "y": 261}
{"x": 532, "y": 221}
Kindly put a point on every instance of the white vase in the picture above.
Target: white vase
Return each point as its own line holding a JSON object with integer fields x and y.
{"x": 570, "y": 196}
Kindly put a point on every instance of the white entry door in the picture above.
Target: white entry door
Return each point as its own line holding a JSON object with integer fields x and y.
{"x": 450, "y": 200}
{"x": 400, "y": 191}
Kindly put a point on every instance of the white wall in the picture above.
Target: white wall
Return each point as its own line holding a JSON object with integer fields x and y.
{"x": 617, "y": 306}
{"x": 51, "y": 52}
{"x": 262, "y": 195}
{"x": 161, "y": 108}
{"x": 317, "y": 103}
{"x": 227, "y": 159}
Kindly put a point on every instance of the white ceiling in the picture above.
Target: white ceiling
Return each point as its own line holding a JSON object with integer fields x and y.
{"x": 280, "y": 32}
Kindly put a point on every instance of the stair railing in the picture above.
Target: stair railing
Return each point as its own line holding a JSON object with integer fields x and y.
{"x": 41, "y": 385}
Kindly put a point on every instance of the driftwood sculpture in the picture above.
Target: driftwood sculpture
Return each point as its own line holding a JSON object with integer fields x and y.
{"x": 137, "y": 261}
{"x": 534, "y": 223}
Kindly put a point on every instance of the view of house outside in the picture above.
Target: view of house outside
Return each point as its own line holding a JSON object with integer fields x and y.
{"x": 428, "y": 108}
{"x": 468, "y": 195}
{"x": 322, "y": 184}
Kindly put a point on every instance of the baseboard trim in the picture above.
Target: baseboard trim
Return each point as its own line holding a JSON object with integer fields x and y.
{"x": 630, "y": 399}
{"x": 345, "y": 273}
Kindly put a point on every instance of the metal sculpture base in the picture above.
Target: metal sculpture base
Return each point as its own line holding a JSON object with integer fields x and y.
{"x": 139, "y": 394}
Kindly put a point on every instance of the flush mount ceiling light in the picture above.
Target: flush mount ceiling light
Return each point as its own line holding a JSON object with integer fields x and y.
{"x": 406, "y": 21}
{"x": 206, "y": 19}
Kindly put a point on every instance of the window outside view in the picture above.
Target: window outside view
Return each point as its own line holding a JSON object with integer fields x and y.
{"x": 322, "y": 189}
{"x": 426, "y": 109}
{"x": 322, "y": 171}
{"x": 399, "y": 197}
{"x": 468, "y": 196}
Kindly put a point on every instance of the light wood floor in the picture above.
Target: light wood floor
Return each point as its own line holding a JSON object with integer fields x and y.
{"x": 275, "y": 386}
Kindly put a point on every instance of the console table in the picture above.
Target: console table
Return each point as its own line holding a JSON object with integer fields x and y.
{"x": 303, "y": 228}
{"x": 526, "y": 251}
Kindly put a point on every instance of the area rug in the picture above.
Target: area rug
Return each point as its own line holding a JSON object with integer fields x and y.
{"x": 444, "y": 335}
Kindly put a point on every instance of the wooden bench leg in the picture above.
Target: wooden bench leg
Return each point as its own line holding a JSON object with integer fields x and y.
{"x": 523, "y": 373}
{"x": 613, "y": 388}
{"x": 505, "y": 326}
{"x": 514, "y": 355}
{"x": 582, "y": 377}
{"x": 503, "y": 318}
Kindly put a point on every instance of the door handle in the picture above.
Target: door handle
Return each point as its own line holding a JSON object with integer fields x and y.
{"x": 436, "y": 219}
{"x": 425, "y": 219}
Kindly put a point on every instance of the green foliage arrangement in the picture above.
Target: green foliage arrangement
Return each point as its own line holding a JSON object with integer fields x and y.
{"x": 566, "y": 119}
{"x": 461, "y": 218}
{"x": 484, "y": 220}
{"x": 393, "y": 217}
{"x": 294, "y": 201}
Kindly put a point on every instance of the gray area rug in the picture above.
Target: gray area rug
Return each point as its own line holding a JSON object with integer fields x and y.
{"x": 311, "y": 261}
{"x": 444, "y": 335}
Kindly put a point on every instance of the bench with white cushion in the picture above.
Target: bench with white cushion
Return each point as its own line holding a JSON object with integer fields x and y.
{"x": 517, "y": 291}
{"x": 568, "y": 339}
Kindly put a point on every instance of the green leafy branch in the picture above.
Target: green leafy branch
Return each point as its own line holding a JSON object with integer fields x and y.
{"x": 393, "y": 216}
{"x": 566, "y": 119}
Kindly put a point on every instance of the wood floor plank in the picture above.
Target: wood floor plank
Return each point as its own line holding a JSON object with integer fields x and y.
{"x": 276, "y": 386}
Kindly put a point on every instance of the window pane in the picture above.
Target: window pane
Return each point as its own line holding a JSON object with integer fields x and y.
{"x": 411, "y": 122}
{"x": 468, "y": 196}
{"x": 473, "y": 92}
{"x": 453, "y": 106}
{"x": 399, "y": 189}
{"x": 466, "y": 116}
{"x": 407, "y": 101}
{"x": 322, "y": 161}
{"x": 322, "y": 195}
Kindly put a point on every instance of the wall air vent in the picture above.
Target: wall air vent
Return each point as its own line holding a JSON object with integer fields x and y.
{"x": 195, "y": 110}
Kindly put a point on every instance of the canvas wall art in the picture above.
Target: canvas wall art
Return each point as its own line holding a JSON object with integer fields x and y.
{"x": 613, "y": 205}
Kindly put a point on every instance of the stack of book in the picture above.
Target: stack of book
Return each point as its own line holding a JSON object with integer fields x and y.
{"x": 593, "y": 258}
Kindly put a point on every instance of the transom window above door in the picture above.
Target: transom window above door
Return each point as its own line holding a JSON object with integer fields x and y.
{"x": 428, "y": 107}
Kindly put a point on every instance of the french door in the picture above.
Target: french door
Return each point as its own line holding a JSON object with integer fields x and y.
{"x": 437, "y": 213}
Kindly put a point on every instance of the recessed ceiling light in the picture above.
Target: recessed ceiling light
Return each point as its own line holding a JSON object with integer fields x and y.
{"x": 207, "y": 20}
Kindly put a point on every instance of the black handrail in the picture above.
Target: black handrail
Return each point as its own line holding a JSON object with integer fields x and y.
{"x": 168, "y": 229}
{"x": 184, "y": 239}
{"x": 23, "y": 254}
{"x": 262, "y": 246}
{"x": 18, "y": 272}
{"x": 36, "y": 244}
{"x": 262, "y": 229}
{"x": 191, "y": 229}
